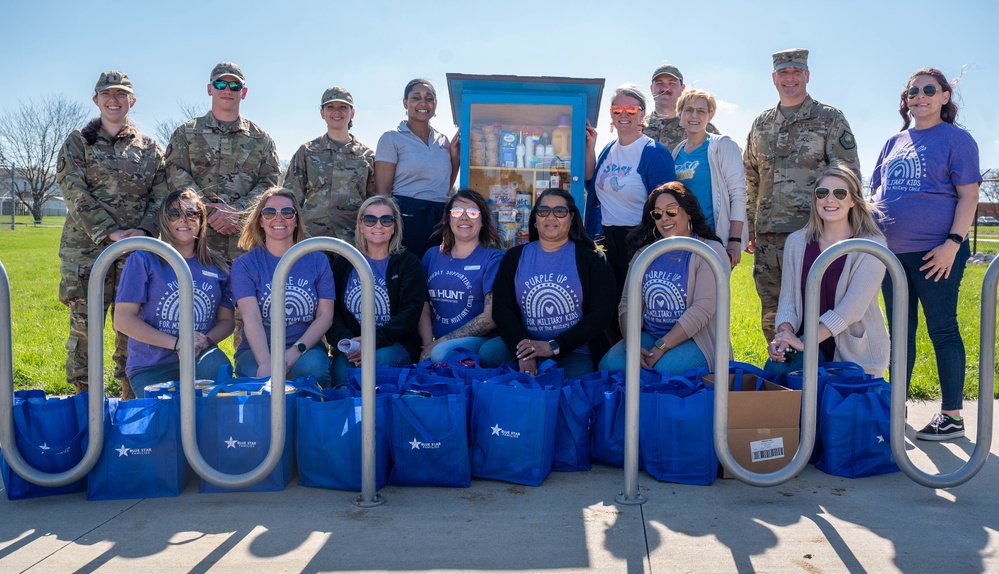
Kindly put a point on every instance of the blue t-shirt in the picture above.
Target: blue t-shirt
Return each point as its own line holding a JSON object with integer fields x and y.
{"x": 457, "y": 287}
{"x": 309, "y": 281}
{"x": 151, "y": 282}
{"x": 916, "y": 177}
{"x": 549, "y": 291}
{"x": 664, "y": 292}
{"x": 693, "y": 170}
{"x": 352, "y": 294}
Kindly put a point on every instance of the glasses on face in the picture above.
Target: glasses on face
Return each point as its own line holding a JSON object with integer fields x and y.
{"x": 929, "y": 89}
{"x": 175, "y": 214}
{"x": 120, "y": 95}
{"x": 657, "y": 213}
{"x": 823, "y": 192}
{"x": 471, "y": 212}
{"x": 371, "y": 220}
{"x": 270, "y": 213}
{"x": 543, "y": 211}
{"x": 233, "y": 86}
{"x": 630, "y": 110}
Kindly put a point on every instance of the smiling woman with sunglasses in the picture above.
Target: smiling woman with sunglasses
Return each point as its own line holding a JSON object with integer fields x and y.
{"x": 678, "y": 289}
{"x": 272, "y": 228}
{"x": 400, "y": 291}
{"x": 927, "y": 177}
{"x": 851, "y": 326}
{"x": 146, "y": 310}
{"x": 620, "y": 179}
{"x": 460, "y": 275}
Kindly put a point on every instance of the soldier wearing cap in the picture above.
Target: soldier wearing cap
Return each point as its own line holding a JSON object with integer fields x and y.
{"x": 663, "y": 123}
{"x": 788, "y": 146}
{"x": 333, "y": 174}
{"x": 226, "y": 157}
{"x": 112, "y": 180}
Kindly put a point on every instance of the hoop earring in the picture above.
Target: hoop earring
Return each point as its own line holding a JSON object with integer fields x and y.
{"x": 690, "y": 226}
{"x": 655, "y": 232}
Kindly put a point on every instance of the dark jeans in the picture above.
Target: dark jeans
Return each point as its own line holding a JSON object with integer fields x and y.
{"x": 939, "y": 301}
{"x": 419, "y": 218}
{"x": 616, "y": 249}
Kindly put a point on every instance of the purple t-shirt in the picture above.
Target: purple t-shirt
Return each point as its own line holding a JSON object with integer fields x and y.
{"x": 549, "y": 291}
{"x": 151, "y": 282}
{"x": 916, "y": 177}
{"x": 309, "y": 281}
{"x": 352, "y": 294}
{"x": 457, "y": 287}
{"x": 664, "y": 291}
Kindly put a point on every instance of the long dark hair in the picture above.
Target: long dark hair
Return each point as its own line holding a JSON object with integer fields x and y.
{"x": 645, "y": 233}
{"x": 577, "y": 228}
{"x": 172, "y": 201}
{"x": 488, "y": 234}
{"x": 948, "y": 112}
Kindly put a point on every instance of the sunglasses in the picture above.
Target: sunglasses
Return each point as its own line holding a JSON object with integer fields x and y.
{"x": 544, "y": 211}
{"x": 657, "y": 214}
{"x": 371, "y": 220}
{"x": 233, "y": 86}
{"x": 839, "y": 193}
{"x": 175, "y": 214}
{"x": 630, "y": 110}
{"x": 930, "y": 90}
{"x": 270, "y": 213}
{"x": 471, "y": 212}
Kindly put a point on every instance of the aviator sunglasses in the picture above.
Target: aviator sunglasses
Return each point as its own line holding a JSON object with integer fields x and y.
{"x": 929, "y": 89}
{"x": 175, "y": 214}
{"x": 630, "y": 110}
{"x": 544, "y": 211}
{"x": 270, "y": 213}
{"x": 839, "y": 193}
{"x": 471, "y": 212}
{"x": 233, "y": 86}
{"x": 371, "y": 220}
{"x": 657, "y": 214}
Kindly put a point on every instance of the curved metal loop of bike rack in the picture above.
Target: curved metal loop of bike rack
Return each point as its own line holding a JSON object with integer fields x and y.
{"x": 633, "y": 330}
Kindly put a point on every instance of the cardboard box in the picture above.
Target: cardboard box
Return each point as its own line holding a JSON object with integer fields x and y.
{"x": 763, "y": 425}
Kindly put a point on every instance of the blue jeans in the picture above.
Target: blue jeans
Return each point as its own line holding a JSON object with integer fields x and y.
{"x": 494, "y": 353}
{"x": 939, "y": 301}
{"x": 391, "y": 356}
{"x": 796, "y": 363}
{"x": 315, "y": 362}
{"x": 442, "y": 349}
{"x": 685, "y": 356}
{"x": 206, "y": 366}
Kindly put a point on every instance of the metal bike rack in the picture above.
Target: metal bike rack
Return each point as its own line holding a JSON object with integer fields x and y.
{"x": 633, "y": 330}
{"x": 369, "y": 497}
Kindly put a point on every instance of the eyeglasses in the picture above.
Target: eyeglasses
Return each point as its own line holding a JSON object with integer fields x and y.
{"x": 120, "y": 95}
{"x": 630, "y": 110}
{"x": 544, "y": 211}
{"x": 657, "y": 214}
{"x": 270, "y": 213}
{"x": 929, "y": 89}
{"x": 233, "y": 86}
{"x": 371, "y": 220}
{"x": 839, "y": 193}
{"x": 175, "y": 214}
{"x": 471, "y": 212}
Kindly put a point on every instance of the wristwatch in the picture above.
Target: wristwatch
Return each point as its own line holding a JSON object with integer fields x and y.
{"x": 554, "y": 347}
{"x": 956, "y": 238}
{"x": 301, "y": 347}
{"x": 661, "y": 345}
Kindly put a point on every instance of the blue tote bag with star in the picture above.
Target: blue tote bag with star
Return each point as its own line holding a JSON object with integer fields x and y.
{"x": 428, "y": 438}
{"x": 854, "y": 429}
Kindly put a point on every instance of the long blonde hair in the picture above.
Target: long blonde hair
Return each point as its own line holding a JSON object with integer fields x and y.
{"x": 205, "y": 255}
{"x": 253, "y": 235}
{"x": 395, "y": 244}
{"x": 862, "y": 215}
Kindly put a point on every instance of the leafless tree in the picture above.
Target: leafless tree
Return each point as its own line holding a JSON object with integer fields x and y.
{"x": 166, "y": 127}
{"x": 30, "y": 138}
{"x": 989, "y": 192}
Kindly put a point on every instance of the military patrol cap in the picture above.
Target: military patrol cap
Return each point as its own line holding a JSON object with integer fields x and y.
{"x": 227, "y": 69}
{"x": 337, "y": 94}
{"x": 667, "y": 69}
{"x": 796, "y": 58}
{"x": 114, "y": 79}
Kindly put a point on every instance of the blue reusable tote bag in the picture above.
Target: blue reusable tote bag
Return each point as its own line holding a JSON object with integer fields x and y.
{"x": 607, "y": 431}
{"x": 855, "y": 430}
{"x": 572, "y": 428}
{"x": 513, "y": 430}
{"x": 51, "y": 435}
{"x": 676, "y": 438}
{"x": 142, "y": 455}
{"x": 840, "y": 372}
{"x": 428, "y": 439}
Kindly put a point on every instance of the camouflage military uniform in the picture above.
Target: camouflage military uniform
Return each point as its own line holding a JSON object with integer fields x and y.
{"x": 228, "y": 162}
{"x": 330, "y": 181}
{"x": 109, "y": 183}
{"x": 669, "y": 132}
{"x": 783, "y": 157}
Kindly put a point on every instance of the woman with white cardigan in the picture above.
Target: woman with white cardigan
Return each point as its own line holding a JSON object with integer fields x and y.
{"x": 710, "y": 165}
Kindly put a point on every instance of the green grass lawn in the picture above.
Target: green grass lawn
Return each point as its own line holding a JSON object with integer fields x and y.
{"x": 40, "y": 322}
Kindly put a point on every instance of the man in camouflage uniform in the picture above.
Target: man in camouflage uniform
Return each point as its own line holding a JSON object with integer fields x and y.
{"x": 227, "y": 158}
{"x": 788, "y": 146}
{"x": 333, "y": 174}
{"x": 663, "y": 123}
{"x": 112, "y": 180}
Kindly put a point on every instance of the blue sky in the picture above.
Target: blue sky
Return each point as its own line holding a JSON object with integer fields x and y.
{"x": 861, "y": 55}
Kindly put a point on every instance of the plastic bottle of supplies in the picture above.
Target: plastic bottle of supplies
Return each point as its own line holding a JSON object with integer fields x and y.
{"x": 561, "y": 137}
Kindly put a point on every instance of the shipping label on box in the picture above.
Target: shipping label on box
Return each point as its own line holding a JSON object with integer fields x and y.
{"x": 766, "y": 449}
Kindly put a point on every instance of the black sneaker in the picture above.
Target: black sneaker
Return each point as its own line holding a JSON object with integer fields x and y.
{"x": 942, "y": 427}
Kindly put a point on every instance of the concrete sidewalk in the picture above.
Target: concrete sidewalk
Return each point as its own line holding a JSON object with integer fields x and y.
{"x": 814, "y": 523}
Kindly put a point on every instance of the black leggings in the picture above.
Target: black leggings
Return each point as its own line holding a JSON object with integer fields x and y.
{"x": 419, "y": 219}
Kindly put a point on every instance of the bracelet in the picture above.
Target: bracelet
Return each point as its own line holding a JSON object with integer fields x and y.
{"x": 956, "y": 238}
{"x": 735, "y": 239}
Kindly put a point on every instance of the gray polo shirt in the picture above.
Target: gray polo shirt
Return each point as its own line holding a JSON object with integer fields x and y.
{"x": 421, "y": 171}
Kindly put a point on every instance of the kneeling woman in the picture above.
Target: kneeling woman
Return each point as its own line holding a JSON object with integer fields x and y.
{"x": 851, "y": 326}
{"x": 146, "y": 307}
{"x": 400, "y": 291}
{"x": 678, "y": 288}
{"x": 273, "y": 227}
